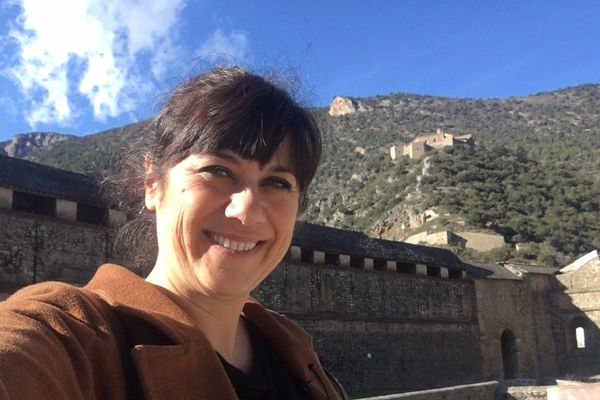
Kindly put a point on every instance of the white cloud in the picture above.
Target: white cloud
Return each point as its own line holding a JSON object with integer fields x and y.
{"x": 90, "y": 48}
{"x": 233, "y": 47}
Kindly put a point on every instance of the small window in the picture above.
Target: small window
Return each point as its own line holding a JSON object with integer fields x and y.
{"x": 33, "y": 203}
{"x": 454, "y": 274}
{"x": 580, "y": 337}
{"x": 92, "y": 215}
{"x": 306, "y": 255}
{"x": 357, "y": 262}
{"x": 434, "y": 271}
{"x": 379, "y": 265}
{"x": 578, "y": 334}
{"x": 406, "y": 268}
{"x": 332, "y": 259}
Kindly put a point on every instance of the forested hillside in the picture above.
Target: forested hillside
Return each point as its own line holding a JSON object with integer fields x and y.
{"x": 533, "y": 176}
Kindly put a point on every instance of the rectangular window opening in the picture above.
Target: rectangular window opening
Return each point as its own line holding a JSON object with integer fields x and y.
{"x": 434, "y": 271}
{"x": 357, "y": 262}
{"x": 332, "y": 259}
{"x": 379, "y": 265}
{"x": 406, "y": 268}
{"x": 92, "y": 215}
{"x": 34, "y": 203}
{"x": 306, "y": 255}
{"x": 454, "y": 274}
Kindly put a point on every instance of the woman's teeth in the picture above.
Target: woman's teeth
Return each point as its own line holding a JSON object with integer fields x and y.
{"x": 232, "y": 245}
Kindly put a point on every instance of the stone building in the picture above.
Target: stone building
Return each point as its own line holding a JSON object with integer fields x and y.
{"x": 426, "y": 143}
{"x": 384, "y": 315}
{"x": 576, "y": 321}
{"x": 464, "y": 239}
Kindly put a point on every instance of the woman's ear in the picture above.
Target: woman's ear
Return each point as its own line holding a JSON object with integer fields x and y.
{"x": 151, "y": 184}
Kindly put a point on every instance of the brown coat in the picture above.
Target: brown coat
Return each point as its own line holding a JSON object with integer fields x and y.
{"x": 119, "y": 337}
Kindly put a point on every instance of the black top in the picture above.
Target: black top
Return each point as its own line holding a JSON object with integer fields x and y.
{"x": 269, "y": 378}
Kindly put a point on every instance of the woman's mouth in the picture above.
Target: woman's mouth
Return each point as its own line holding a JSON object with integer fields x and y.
{"x": 232, "y": 244}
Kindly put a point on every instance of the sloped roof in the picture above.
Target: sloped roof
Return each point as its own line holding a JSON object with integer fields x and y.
{"x": 580, "y": 262}
{"x": 537, "y": 269}
{"x": 357, "y": 244}
{"x": 41, "y": 179}
{"x": 490, "y": 271}
{"x": 509, "y": 271}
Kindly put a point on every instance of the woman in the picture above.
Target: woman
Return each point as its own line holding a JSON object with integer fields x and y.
{"x": 228, "y": 171}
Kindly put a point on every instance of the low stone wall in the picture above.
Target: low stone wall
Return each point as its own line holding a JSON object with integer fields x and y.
{"x": 525, "y": 393}
{"x": 572, "y": 391}
{"x": 475, "y": 391}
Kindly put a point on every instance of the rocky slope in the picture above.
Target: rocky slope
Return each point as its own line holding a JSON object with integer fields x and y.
{"x": 534, "y": 138}
{"x": 22, "y": 145}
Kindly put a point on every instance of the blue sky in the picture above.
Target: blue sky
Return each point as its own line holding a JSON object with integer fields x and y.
{"x": 83, "y": 66}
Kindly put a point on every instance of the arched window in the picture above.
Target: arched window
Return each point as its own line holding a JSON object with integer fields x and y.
{"x": 580, "y": 337}
{"x": 578, "y": 334}
{"x": 509, "y": 354}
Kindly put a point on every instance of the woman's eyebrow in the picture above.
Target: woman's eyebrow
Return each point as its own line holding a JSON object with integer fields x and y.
{"x": 225, "y": 155}
{"x": 281, "y": 169}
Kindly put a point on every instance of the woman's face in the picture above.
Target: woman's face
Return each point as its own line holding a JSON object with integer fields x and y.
{"x": 223, "y": 222}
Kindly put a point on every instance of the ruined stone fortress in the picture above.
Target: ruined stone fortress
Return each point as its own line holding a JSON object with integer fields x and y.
{"x": 385, "y": 315}
{"x": 422, "y": 145}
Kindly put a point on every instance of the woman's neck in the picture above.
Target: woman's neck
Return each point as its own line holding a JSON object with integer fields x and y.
{"x": 218, "y": 319}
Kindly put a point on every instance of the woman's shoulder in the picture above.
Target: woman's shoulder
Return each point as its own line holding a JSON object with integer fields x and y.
{"x": 55, "y": 336}
{"x": 57, "y": 306}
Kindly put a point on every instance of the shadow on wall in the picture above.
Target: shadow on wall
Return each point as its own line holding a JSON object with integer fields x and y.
{"x": 576, "y": 322}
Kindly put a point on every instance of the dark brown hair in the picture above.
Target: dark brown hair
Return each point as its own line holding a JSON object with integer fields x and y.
{"x": 227, "y": 108}
{"x": 232, "y": 109}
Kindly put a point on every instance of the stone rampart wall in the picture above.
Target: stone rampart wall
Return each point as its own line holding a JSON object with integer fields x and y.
{"x": 519, "y": 308}
{"x": 35, "y": 248}
{"x": 375, "y": 329}
{"x": 381, "y": 329}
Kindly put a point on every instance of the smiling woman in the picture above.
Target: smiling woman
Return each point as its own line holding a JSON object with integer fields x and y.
{"x": 225, "y": 174}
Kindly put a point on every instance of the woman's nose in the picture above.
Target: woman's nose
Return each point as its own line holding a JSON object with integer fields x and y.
{"x": 246, "y": 206}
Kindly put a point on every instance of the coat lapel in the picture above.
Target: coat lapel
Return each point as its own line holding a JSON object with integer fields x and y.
{"x": 294, "y": 346}
{"x": 185, "y": 371}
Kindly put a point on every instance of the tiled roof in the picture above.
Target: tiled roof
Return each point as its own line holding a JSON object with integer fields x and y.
{"x": 339, "y": 241}
{"x": 27, "y": 176}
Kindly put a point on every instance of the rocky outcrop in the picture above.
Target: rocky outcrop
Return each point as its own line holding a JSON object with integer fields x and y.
{"x": 21, "y": 145}
{"x": 344, "y": 105}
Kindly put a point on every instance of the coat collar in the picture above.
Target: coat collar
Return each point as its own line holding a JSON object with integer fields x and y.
{"x": 164, "y": 369}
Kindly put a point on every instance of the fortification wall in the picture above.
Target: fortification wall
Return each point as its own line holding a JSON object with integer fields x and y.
{"x": 373, "y": 329}
{"x": 505, "y": 306}
{"x": 36, "y": 248}
{"x": 381, "y": 329}
{"x": 539, "y": 287}
{"x": 576, "y": 304}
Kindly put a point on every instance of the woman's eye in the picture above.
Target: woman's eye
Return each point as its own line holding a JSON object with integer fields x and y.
{"x": 216, "y": 171}
{"x": 278, "y": 183}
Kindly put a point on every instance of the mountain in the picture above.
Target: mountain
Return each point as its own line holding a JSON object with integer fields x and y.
{"x": 533, "y": 175}
{"x": 548, "y": 142}
{"x": 95, "y": 154}
{"x": 23, "y": 144}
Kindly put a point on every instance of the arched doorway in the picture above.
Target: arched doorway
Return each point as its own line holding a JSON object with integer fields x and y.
{"x": 509, "y": 354}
